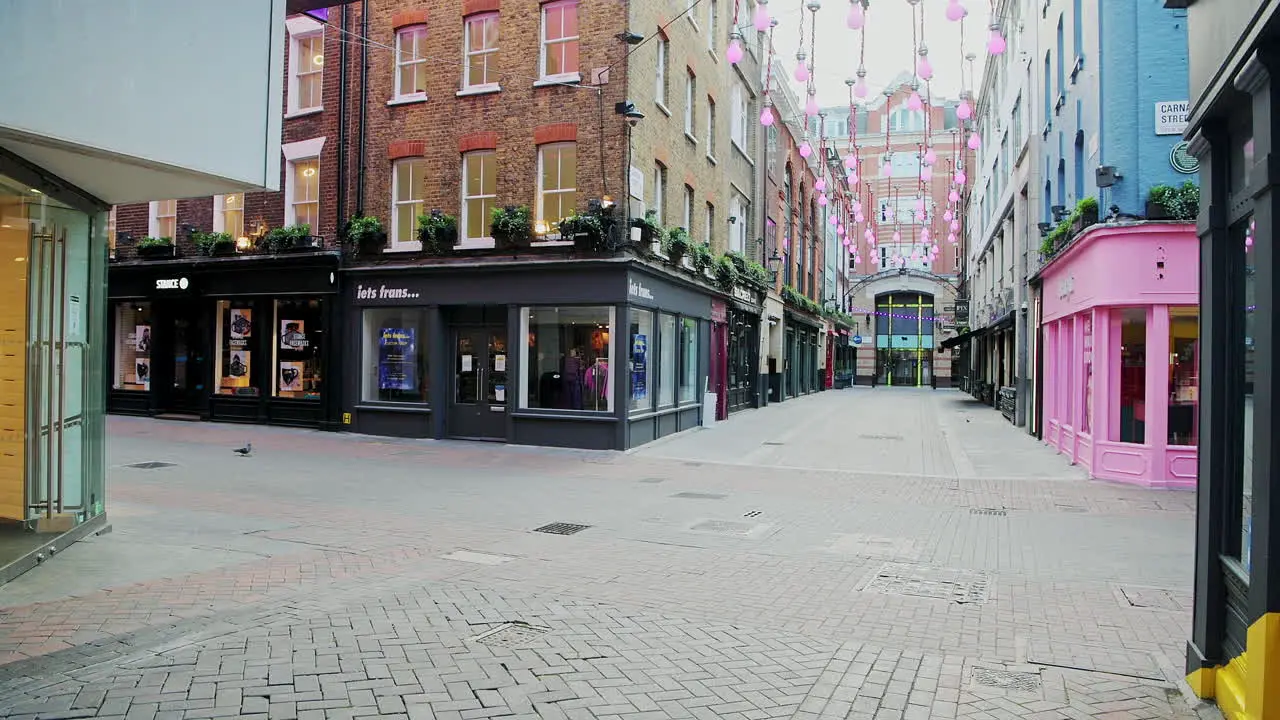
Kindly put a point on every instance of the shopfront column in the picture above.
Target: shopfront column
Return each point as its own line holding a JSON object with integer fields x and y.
{"x": 1105, "y": 392}
{"x": 1048, "y": 350}
{"x": 1157, "y": 424}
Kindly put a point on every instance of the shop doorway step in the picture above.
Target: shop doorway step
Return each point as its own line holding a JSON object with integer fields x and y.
{"x": 181, "y": 417}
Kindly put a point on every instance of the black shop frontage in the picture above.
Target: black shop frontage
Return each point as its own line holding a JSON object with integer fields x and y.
{"x": 235, "y": 339}
{"x": 599, "y": 354}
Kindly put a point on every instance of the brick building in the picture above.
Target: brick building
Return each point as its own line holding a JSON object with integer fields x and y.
{"x": 587, "y": 338}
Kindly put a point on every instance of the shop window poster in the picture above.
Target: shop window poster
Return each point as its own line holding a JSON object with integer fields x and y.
{"x": 241, "y": 323}
{"x": 397, "y": 359}
{"x": 291, "y": 376}
{"x": 293, "y": 335}
{"x": 639, "y": 367}
{"x": 239, "y": 365}
{"x": 142, "y": 372}
{"x": 142, "y": 339}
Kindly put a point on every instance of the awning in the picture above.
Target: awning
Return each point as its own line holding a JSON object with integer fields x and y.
{"x": 959, "y": 339}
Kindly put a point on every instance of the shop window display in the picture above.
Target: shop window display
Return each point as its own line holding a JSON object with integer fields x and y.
{"x": 1133, "y": 375}
{"x": 133, "y": 346}
{"x": 567, "y": 358}
{"x": 639, "y": 349}
{"x": 1245, "y": 234}
{"x": 688, "y": 360}
{"x": 236, "y": 329}
{"x": 667, "y": 361}
{"x": 1184, "y": 378}
{"x": 1086, "y": 418}
{"x": 395, "y": 356}
{"x": 298, "y": 349}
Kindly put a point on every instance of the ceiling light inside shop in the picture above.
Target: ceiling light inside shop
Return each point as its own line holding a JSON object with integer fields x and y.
{"x": 19, "y": 259}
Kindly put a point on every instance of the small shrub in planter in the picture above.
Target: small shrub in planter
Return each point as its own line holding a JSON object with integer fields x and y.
{"x": 293, "y": 237}
{"x": 650, "y": 230}
{"x": 1158, "y": 198}
{"x": 364, "y": 235}
{"x": 677, "y": 244}
{"x": 437, "y": 232}
{"x": 214, "y": 244}
{"x": 512, "y": 226}
{"x": 702, "y": 258}
{"x": 1183, "y": 202}
{"x": 726, "y": 273}
{"x": 154, "y": 247}
{"x": 586, "y": 231}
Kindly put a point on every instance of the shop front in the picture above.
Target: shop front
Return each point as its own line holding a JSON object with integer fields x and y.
{"x": 606, "y": 354}
{"x": 735, "y": 348}
{"x": 801, "y": 364}
{"x": 904, "y": 339}
{"x": 227, "y": 339}
{"x": 1121, "y": 352}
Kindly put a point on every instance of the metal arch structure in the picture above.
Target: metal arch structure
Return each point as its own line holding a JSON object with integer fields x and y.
{"x": 904, "y": 273}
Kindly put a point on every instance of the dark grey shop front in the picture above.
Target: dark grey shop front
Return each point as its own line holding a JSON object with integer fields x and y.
{"x": 603, "y": 354}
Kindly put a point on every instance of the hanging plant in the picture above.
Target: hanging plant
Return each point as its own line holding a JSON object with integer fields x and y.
{"x": 364, "y": 235}
{"x": 702, "y": 258}
{"x": 676, "y": 244}
{"x": 650, "y": 229}
{"x": 726, "y": 274}
{"x": 586, "y": 231}
{"x": 211, "y": 244}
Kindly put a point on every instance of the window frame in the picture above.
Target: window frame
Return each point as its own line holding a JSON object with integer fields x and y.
{"x": 662, "y": 79}
{"x": 690, "y": 100}
{"x": 220, "y": 215}
{"x": 413, "y": 244}
{"x": 522, "y": 403}
{"x": 370, "y": 356}
{"x": 303, "y": 29}
{"x": 541, "y": 191}
{"x": 487, "y": 240}
{"x": 689, "y": 199}
{"x": 291, "y": 202}
{"x": 711, "y": 129}
{"x": 156, "y": 220}
{"x": 543, "y": 42}
{"x": 710, "y": 222}
{"x": 660, "y": 192}
{"x": 469, "y": 53}
{"x": 739, "y": 125}
{"x": 397, "y": 93}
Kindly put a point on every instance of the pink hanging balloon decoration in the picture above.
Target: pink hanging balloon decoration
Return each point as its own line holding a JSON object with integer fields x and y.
{"x": 897, "y": 236}
{"x": 923, "y": 68}
{"x": 975, "y": 142}
{"x": 761, "y": 18}
{"x": 995, "y": 43}
{"x": 852, "y": 178}
{"x": 802, "y": 70}
{"x": 850, "y": 161}
{"x": 811, "y": 105}
{"x": 846, "y": 242}
{"x": 833, "y": 220}
{"x": 840, "y": 230}
{"x": 805, "y": 149}
{"x": 859, "y": 218}
{"x": 857, "y": 17}
{"x": 766, "y": 116}
{"x": 935, "y": 248}
{"x": 930, "y": 157}
{"x": 951, "y": 238}
{"x": 860, "y": 87}
{"x": 822, "y": 199}
{"x": 954, "y": 196}
{"x": 947, "y": 216}
{"x": 955, "y": 226}
{"x": 963, "y": 110}
{"x": 914, "y": 103}
{"x": 960, "y": 179}
{"x": 926, "y": 174}
{"x": 821, "y": 185}
{"x": 955, "y": 11}
{"x": 734, "y": 53}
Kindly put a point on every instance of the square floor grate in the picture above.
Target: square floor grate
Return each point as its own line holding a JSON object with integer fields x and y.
{"x": 561, "y": 528}
{"x": 510, "y": 635}
{"x": 724, "y": 527}
{"x": 961, "y": 586}
{"x": 1151, "y": 598}
{"x": 1007, "y": 679}
{"x": 152, "y": 465}
{"x": 999, "y": 512}
{"x": 699, "y": 496}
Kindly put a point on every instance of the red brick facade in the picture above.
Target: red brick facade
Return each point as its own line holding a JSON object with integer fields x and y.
{"x": 800, "y": 243}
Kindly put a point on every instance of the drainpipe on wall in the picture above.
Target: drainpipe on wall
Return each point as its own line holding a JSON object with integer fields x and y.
{"x": 1021, "y": 325}
{"x": 342, "y": 122}
{"x": 364, "y": 105}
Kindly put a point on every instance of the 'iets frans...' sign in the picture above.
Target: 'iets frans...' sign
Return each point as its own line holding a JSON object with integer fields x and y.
{"x": 1171, "y": 117}
{"x": 382, "y": 292}
{"x": 636, "y": 290}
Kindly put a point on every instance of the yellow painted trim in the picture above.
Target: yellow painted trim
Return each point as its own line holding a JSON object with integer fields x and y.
{"x": 1248, "y": 688}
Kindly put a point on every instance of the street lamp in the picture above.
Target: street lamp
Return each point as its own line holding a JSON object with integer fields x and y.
{"x": 775, "y": 263}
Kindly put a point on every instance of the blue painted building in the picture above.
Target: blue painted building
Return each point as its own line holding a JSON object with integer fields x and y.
{"x": 1112, "y": 76}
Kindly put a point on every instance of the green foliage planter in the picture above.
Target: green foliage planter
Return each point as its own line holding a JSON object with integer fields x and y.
{"x": 512, "y": 226}
{"x": 154, "y": 248}
{"x": 750, "y": 272}
{"x": 364, "y": 235}
{"x": 726, "y": 274}
{"x": 702, "y": 259}
{"x": 438, "y": 233}
{"x": 677, "y": 245}
{"x": 1181, "y": 203}
{"x": 214, "y": 244}
{"x": 650, "y": 230}
{"x": 1084, "y": 215}
{"x": 291, "y": 238}
{"x": 586, "y": 231}
{"x": 797, "y": 300}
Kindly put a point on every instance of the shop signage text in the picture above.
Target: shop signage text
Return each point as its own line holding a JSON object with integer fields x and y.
{"x": 636, "y": 290}
{"x": 382, "y": 292}
{"x": 1171, "y": 117}
{"x": 1182, "y": 160}
{"x": 1066, "y": 286}
{"x": 172, "y": 284}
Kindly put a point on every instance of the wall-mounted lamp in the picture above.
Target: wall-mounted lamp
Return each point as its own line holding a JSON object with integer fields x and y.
{"x": 1044, "y": 228}
{"x": 1107, "y": 176}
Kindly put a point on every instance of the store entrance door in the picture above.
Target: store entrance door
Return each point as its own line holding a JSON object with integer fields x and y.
{"x": 179, "y": 373}
{"x": 478, "y": 405}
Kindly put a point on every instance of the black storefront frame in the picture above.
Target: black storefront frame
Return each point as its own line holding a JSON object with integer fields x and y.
{"x": 801, "y": 376}
{"x": 743, "y": 330}
{"x": 445, "y": 291}
{"x": 190, "y": 290}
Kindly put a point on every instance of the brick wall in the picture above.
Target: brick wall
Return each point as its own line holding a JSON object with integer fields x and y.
{"x": 805, "y": 235}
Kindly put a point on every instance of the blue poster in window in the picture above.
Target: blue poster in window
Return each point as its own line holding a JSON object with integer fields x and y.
{"x": 639, "y": 367}
{"x": 397, "y": 359}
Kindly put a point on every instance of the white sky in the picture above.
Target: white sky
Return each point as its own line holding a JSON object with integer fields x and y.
{"x": 888, "y": 50}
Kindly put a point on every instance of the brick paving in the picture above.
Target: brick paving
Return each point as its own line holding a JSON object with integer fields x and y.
{"x": 337, "y": 576}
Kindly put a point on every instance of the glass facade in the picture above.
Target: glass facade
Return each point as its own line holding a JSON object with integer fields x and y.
{"x": 52, "y": 322}
{"x": 1184, "y": 376}
{"x": 1132, "y": 323}
{"x": 567, "y": 358}
{"x": 904, "y": 339}
{"x": 641, "y": 354}
{"x": 131, "y": 361}
{"x": 394, "y": 358}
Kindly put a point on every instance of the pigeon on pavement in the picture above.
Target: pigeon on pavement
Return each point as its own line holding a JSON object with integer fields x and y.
{"x": 244, "y": 451}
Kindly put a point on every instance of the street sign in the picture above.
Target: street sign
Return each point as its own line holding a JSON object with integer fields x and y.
{"x": 857, "y": 339}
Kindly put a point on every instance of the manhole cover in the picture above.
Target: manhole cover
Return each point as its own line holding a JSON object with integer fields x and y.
{"x": 699, "y": 496}
{"x": 152, "y": 465}
{"x": 772, "y": 442}
{"x": 479, "y": 558}
{"x": 1001, "y": 512}
{"x": 959, "y": 586}
{"x": 653, "y": 480}
{"x": 1151, "y": 598}
{"x": 724, "y": 527}
{"x": 880, "y": 437}
{"x": 1007, "y": 679}
{"x": 510, "y": 635}
{"x": 561, "y": 528}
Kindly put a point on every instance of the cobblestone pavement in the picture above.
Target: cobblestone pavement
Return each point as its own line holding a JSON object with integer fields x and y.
{"x": 901, "y": 554}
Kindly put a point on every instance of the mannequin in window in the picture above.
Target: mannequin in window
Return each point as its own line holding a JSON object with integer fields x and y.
{"x": 571, "y": 378}
{"x": 597, "y": 382}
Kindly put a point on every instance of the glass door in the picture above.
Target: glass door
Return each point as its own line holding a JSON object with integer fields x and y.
{"x": 478, "y": 406}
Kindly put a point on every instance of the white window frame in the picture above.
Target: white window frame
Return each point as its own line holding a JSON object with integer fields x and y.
{"x": 739, "y": 208}
{"x": 220, "y": 215}
{"x": 690, "y": 100}
{"x": 487, "y": 240}
{"x": 660, "y": 90}
{"x": 660, "y": 192}
{"x": 538, "y": 218}
{"x": 399, "y": 96}
{"x": 543, "y": 42}
{"x": 689, "y": 194}
{"x": 739, "y": 130}
{"x": 154, "y": 218}
{"x": 468, "y": 53}
{"x": 296, "y": 152}
{"x": 394, "y": 245}
{"x": 711, "y": 128}
{"x": 299, "y": 29}
{"x": 710, "y": 223}
{"x": 690, "y": 14}
{"x": 712, "y": 17}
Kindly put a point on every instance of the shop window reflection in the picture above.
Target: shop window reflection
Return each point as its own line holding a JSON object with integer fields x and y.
{"x": 1246, "y": 235}
{"x": 640, "y": 357}
{"x": 1086, "y": 418}
{"x": 234, "y": 358}
{"x": 667, "y": 361}
{"x": 133, "y": 346}
{"x": 297, "y": 347}
{"x": 688, "y": 360}
{"x": 1184, "y": 375}
{"x": 567, "y": 358}
{"x": 395, "y": 356}
{"x": 1133, "y": 375}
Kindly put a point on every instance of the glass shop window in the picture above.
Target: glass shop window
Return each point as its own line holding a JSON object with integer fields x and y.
{"x": 395, "y": 356}
{"x": 1184, "y": 375}
{"x": 640, "y": 352}
{"x": 567, "y": 358}
{"x": 1133, "y": 375}
{"x": 133, "y": 346}
{"x": 237, "y": 326}
{"x": 298, "y": 345}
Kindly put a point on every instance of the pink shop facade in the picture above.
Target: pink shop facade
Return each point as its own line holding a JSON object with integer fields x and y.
{"x": 1119, "y": 345}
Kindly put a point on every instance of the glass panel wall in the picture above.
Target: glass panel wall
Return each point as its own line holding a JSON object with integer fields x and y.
{"x": 1246, "y": 235}
{"x": 233, "y": 351}
{"x": 132, "y": 352}
{"x": 395, "y": 356}
{"x": 1086, "y": 417}
{"x": 1184, "y": 375}
{"x": 640, "y": 341}
{"x": 667, "y": 361}
{"x": 1133, "y": 375}
{"x": 688, "y": 360}
{"x": 299, "y": 326}
{"x": 566, "y": 358}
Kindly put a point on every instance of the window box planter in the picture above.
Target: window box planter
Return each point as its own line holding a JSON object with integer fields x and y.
{"x": 586, "y": 231}
{"x": 512, "y": 227}
{"x": 157, "y": 252}
{"x": 438, "y": 233}
{"x": 650, "y": 231}
{"x": 223, "y": 250}
{"x": 303, "y": 243}
{"x": 1157, "y": 211}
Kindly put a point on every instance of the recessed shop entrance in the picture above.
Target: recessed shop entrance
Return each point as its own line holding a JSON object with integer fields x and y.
{"x": 480, "y": 365}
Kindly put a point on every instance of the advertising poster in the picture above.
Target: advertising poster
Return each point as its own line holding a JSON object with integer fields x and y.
{"x": 293, "y": 335}
{"x": 639, "y": 367}
{"x": 397, "y": 359}
{"x": 142, "y": 372}
{"x": 241, "y": 323}
{"x": 142, "y": 339}
{"x": 239, "y": 365}
{"x": 291, "y": 377}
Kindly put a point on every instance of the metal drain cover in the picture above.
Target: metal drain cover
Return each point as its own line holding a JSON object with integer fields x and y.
{"x": 699, "y": 496}
{"x": 1007, "y": 679}
{"x": 961, "y": 586}
{"x": 152, "y": 465}
{"x": 725, "y": 527}
{"x": 1150, "y": 598}
{"x": 880, "y": 437}
{"x": 772, "y": 442}
{"x": 561, "y": 528}
{"x": 1000, "y": 512}
{"x": 510, "y": 635}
